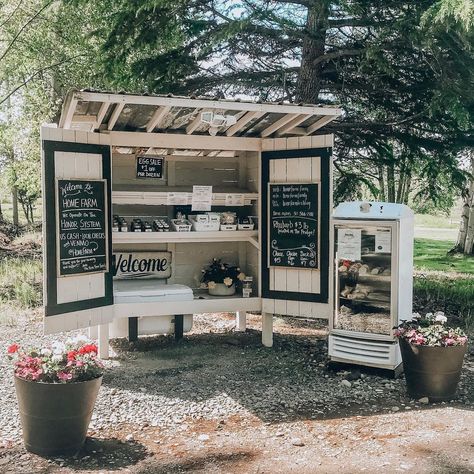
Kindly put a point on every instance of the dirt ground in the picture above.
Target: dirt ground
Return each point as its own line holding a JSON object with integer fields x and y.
{"x": 257, "y": 410}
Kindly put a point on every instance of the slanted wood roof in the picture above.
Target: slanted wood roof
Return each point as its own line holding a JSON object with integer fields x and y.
{"x": 109, "y": 112}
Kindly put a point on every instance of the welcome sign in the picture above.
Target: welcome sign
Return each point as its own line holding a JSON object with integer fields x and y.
{"x": 149, "y": 265}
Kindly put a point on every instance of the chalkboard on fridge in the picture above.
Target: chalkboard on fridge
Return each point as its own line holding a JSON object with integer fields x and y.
{"x": 150, "y": 167}
{"x": 293, "y": 226}
{"x": 82, "y": 226}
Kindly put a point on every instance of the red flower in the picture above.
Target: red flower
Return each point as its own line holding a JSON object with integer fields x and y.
{"x": 13, "y": 348}
{"x": 71, "y": 355}
{"x": 87, "y": 348}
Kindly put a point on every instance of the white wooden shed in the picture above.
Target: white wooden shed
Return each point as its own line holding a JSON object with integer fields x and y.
{"x": 251, "y": 153}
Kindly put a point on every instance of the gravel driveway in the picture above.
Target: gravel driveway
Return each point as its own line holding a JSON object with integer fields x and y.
{"x": 221, "y": 403}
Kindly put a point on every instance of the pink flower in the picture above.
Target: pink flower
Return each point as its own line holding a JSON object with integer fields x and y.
{"x": 64, "y": 376}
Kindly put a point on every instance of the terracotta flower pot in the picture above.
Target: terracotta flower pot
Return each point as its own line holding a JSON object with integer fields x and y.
{"x": 222, "y": 290}
{"x": 432, "y": 372}
{"x": 54, "y": 416}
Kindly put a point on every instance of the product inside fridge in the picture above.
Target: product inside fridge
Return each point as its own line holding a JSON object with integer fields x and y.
{"x": 363, "y": 279}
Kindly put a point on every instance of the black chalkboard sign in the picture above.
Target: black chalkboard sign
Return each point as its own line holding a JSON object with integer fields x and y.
{"x": 82, "y": 226}
{"x": 150, "y": 167}
{"x": 293, "y": 227}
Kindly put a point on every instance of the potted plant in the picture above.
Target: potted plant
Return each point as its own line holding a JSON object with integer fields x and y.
{"x": 56, "y": 389}
{"x": 432, "y": 355}
{"x": 221, "y": 279}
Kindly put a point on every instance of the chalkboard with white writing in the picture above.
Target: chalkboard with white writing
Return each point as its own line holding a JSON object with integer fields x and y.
{"x": 293, "y": 226}
{"x": 150, "y": 167}
{"x": 82, "y": 226}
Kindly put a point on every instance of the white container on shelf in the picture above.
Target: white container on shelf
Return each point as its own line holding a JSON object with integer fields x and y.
{"x": 203, "y": 226}
{"x": 181, "y": 225}
{"x": 228, "y": 226}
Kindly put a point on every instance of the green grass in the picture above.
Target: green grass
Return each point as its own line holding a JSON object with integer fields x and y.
{"x": 441, "y": 222}
{"x": 433, "y": 255}
{"x": 20, "y": 281}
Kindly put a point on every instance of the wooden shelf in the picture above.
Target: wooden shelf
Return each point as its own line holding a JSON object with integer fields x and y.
{"x": 250, "y": 236}
{"x": 127, "y": 195}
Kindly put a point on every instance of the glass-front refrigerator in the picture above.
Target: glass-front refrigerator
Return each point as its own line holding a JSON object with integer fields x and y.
{"x": 373, "y": 282}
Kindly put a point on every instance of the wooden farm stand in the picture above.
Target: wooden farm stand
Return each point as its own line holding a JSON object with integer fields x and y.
{"x": 92, "y": 154}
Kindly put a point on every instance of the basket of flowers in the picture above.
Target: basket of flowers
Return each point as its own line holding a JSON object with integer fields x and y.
{"x": 432, "y": 355}
{"x": 221, "y": 279}
{"x": 56, "y": 388}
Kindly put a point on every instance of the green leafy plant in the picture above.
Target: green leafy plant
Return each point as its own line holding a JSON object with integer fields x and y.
{"x": 219, "y": 272}
{"x": 430, "y": 330}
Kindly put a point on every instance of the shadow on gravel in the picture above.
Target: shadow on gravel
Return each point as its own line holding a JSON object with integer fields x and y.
{"x": 105, "y": 454}
{"x": 226, "y": 462}
{"x": 286, "y": 383}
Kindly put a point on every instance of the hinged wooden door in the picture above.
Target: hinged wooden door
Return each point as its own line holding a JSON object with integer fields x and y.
{"x": 78, "y": 289}
{"x": 296, "y": 242}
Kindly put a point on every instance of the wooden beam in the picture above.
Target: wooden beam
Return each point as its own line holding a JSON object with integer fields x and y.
{"x": 84, "y": 119}
{"x": 157, "y": 118}
{"x": 196, "y": 122}
{"x": 68, "y": 114}
{"x": 115, "y": 115}
{"x": 292, "y": 124}
{"x": 318, "y": 124}
{"x": 203, "y": 103}
{"x": 101, "y": 114}
{"x": 278, "y": 124}
{"x": 248, "y": 117}
{"x": 181, "y": 141}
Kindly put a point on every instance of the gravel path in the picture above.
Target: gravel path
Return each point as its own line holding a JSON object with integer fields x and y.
{"x": 219, "y": 402}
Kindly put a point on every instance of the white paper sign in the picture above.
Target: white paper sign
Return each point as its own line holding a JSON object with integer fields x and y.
{"x": 202, "y": 198}
{"x": 349, "y": 244}
{"x": 234, "y": 199}
{"x": 383, "y": 242}
{"x": 177, "y": 199}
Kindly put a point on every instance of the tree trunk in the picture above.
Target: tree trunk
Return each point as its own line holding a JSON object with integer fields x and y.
{"x": 465, "y": 241}
{"x": 15, "y": 205}
{"x": 309, "y": 79}
{"x": 390, "y": 183}
{"x": 381, "y": 184}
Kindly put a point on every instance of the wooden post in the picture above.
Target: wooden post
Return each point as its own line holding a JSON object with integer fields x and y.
{"x": 94, "y": 332}
{"x": 132, "y": 329}
{"x": 267, "y": 329}
{"x": 178, "y": 326}
{"x": 241, "y": 321}
{"x": 104, "y": 341}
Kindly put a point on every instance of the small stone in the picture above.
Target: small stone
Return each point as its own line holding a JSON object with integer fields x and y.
{"x": 395, "y": 408}
{"x": 279, "y": 434}
{"x": 203, "y": 437}
{"x": 424, "y": 400}
{"x": 297, "y": 442}
{"x": 354, "y": 375}
{"x": 346, "y": 383}
{"x": 129, "y": 437}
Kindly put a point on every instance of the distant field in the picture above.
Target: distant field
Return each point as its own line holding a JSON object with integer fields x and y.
{"x": 442, "y": 222}
{"x": 432, "y": 255}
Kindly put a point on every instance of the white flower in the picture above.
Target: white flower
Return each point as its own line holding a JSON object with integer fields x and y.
{"x": 46, "y": 352}
{"x": 203, "y": 286}
{"x": 211, "y": 285}
{"x": 58, "y": 347}
{"x": 241, "y": 276}
{"x": 57, "y": 358}
{"x": 440, "y": 317}
{"x": 228, "y": 281}
{"x": 429, "y": 316}
{"x": 416, "y": 316}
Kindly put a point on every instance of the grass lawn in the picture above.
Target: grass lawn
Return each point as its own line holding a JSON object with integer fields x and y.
{"x": 432, "y": 255}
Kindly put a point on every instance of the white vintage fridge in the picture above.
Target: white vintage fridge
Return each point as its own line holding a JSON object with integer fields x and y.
{"x": 373, "y": 282}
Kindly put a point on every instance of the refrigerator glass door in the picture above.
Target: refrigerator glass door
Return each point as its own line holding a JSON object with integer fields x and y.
{"x": 364, "y": 279}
